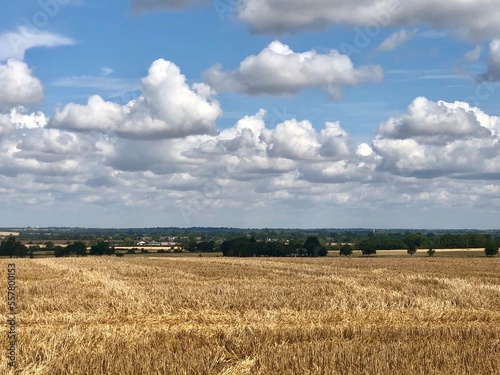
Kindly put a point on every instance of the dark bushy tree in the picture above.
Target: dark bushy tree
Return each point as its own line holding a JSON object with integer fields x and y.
{"x": 412, "y": 249}
{"x": 78, "y": 248}
{"x": 346, "y": 250}
{"x": 246, "y": 247}
{"x": 491, "y": 249}
{"x": 368, "y": 250}
{"x": 102, "y": 248}
{"x": 10, "y": 247}
{"x": 59, "y": 251}
{"x": 49, "y": 245}
{"x": 206, "y": 246}
{"x": 238, "y": 247}
{"x": 192, "y": 246}
{"x": 314, "y": 248}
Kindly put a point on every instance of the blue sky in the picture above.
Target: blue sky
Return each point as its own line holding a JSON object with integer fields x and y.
{"x": 255, "y": 113}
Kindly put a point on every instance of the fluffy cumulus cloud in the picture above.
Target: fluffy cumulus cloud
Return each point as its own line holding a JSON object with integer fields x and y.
{"x": 305, "y": 155}
{"x": 249, "y": 151}
{"x": 428, "y": 156}
{"x": 396, "y": 39}
{"x": 15, "y": 44}
{"x": 440, "y": 139}
{"x": 493, "y": 72}
{"x": 18, "y": 85}
{"x": 167, "y": 108}
{"x": 97, "y": 114}
{"x": 277, "y": 70}
{"x": 29, "y": 148}
{"x": 470, "y": 19}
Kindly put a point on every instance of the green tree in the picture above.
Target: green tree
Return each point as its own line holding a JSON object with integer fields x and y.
{"x": 413, "y": 241}
{"x": 192, "y": 246}
{"x": 412, "y": 249}
{"x": 10, "y": 247}
{"x": 346, "y": 250}
{"x": 78, "y": 248}
{"x": 20, "y": 250}
{"x": 314, "y": 248}
{"x": 206, "y": 246}
{"x": 102, "y": 248}
{"x": 368, "y": 248}
{"x": 431, "y": 251}
{"x": 491, "y": 249}
{"x": 59, "y": 251}
{"x": 49, "y": 245}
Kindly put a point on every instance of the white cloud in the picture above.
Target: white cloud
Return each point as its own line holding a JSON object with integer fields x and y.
{"x": 437, "y": 121}
{"x": 97, "y": 114}
{"x": 112, "y": 86}
{"x": 106, "y": 71}
{"x": 493, "y": 72}
{"x": 364, "y": 150}
{"x": 396, "y": 39}
{"x": 23, "y": 120}
{"x": 474, "y": 54}
{"x": 15, "y": 44}
{"x": 18, "y": 86}
{"x": 440, "y": 138}
{"x": 435, "y": 155}
{"x": 46, "y": 152}
{"x": 277, "y": 70}
{"x": 293, "y": 140}
{"x": 470, "y": 19}
{"x": 167, "y": 108}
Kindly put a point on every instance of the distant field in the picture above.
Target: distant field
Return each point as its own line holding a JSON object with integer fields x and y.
{"x": 190, "y": 315}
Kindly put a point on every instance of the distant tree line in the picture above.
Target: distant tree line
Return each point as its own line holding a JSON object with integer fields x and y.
{"x": 203, "y": 246}
{"x": 412, "y": 241}
{"x": 79, "y": 248}
{"x": 13, "y": 248}
{"x": 249, "y": 247}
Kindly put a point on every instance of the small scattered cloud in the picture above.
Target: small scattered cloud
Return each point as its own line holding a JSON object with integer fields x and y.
{"x": 474, "y": 54}
{"x": 104, "y": 84}
{"x": 106, "y": 71}
{"x": 15, "y": 44}
{"x": 277, "y": 70}
{"x": 396, "y": 39}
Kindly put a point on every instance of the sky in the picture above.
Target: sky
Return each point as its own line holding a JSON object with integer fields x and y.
{"x": 250, "y": 113}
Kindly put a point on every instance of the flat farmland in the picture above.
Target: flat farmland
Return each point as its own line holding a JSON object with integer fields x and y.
{"x": 160, "y": 315}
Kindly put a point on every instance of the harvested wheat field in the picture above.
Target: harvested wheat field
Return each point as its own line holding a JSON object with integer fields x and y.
{"x": 257, "y": 316}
